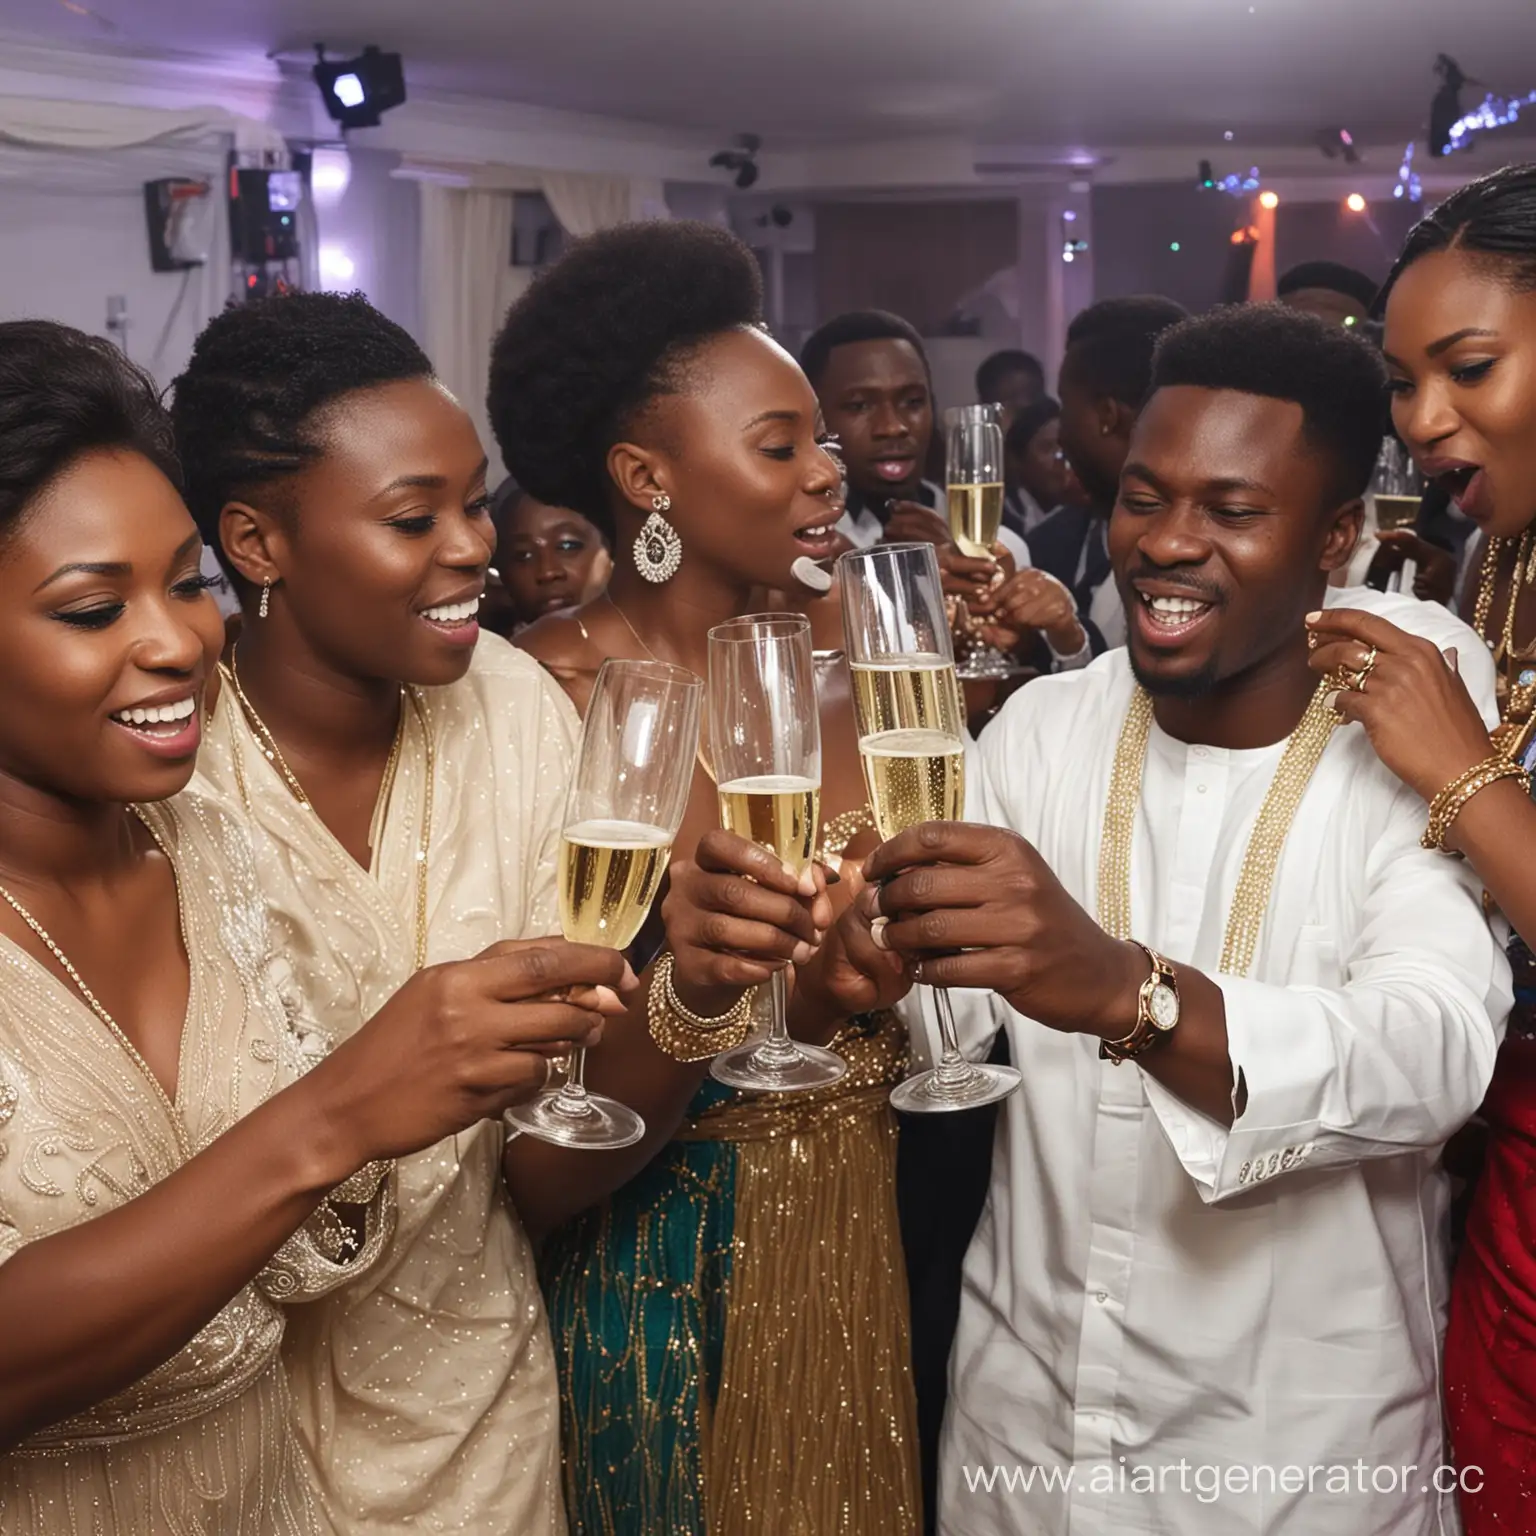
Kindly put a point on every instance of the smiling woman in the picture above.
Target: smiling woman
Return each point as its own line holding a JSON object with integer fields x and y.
{"x": 404, "y": 776}
{"x": 180, "y": 1152}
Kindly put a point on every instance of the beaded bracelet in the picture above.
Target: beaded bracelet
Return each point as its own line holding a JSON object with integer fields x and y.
{"x": 1446, "y": 806}
{"x": 687, "y": 1036}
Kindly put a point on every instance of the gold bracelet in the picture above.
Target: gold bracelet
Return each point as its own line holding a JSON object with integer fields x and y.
{"x": 687, "y": 1036}
{"x": 1446, "y": 806}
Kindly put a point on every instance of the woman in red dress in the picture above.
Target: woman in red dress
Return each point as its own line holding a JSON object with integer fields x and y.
{"x": 1461, "y": 344}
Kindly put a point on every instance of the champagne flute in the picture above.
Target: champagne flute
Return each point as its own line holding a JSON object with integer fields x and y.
{"x": 765, "y": 747}
{"x": 974, "y": 472}
{"x": 633, "y": 775}
{"x": 912, "y": 743}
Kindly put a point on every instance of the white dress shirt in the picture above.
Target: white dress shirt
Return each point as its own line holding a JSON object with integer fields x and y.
{"x": 1152, "y": 1298}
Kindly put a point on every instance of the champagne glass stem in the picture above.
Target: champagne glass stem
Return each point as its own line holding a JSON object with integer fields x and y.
{"x": 953, "y": 1067}
{"x": 572, "y": 1098}
{"x": 777, "y": 1050}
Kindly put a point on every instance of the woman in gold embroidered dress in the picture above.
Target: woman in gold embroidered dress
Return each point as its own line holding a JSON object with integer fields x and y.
{"x": 731, "y": 1325}
{"x": 178, "y": 1153}
{"x": 405, "y": 778}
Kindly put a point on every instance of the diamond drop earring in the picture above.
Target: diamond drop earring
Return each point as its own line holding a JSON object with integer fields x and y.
{"x": 266, "y": 600}
{"x": 658, "y": 550}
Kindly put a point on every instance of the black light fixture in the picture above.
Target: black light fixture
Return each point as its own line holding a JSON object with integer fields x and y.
{"x": 1338, "y": 144}
{"x": 742, "y": 160}
{"x": 358, "y": 91}
{"x": 1445, "y": 107}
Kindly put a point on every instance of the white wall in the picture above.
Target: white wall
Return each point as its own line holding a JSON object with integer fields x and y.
{"x": 377, "y": 222}
{"x": 63, "y": 253}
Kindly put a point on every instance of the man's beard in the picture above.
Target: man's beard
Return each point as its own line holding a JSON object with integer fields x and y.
{"x": 1194, "y": 686}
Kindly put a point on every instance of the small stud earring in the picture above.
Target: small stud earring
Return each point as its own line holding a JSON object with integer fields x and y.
{"x": 266, "y": 599}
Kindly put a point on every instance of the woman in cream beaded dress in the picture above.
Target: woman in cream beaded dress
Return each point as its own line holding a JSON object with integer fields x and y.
{"x": 731, "y": 1325}
{"x": 179, "y": 1155}
{"x": 405, "y": 779}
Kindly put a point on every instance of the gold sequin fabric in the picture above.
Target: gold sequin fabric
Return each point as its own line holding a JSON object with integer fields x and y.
{"x": 733, "y": 1325}
{"x": 425, "y": 1394}
{"x": 204, "y": 1443}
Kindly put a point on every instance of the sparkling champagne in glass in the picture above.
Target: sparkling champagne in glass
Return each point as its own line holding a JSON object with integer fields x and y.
{"x": 911, "y": 726}
{"x": 626, "y": 803}
{"x": 765, "y": 749}
{"x": 974, "y": 471}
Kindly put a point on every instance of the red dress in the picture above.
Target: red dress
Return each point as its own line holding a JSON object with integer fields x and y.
{"x": 1490, "y": 1347}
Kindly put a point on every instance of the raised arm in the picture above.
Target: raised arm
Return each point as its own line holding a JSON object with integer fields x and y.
{"x": 1427, "y": 728}
{"x": 86, "y": 1312}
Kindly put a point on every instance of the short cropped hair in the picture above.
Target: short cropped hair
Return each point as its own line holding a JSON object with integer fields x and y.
{"x": 64, "y": 394}
{"x": 1110, "y": 345}
{"x": 997, "y": 367}
{"x": 1337, "y": 378}
{"x": 856, "y": 326}
{"x": 1333, "y": 276}
{"x": 609, "y": 328}
{"x": 259, "y": 374}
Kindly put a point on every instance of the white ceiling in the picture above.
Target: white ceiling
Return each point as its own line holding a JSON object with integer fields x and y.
{"x": 1048, "y": 73}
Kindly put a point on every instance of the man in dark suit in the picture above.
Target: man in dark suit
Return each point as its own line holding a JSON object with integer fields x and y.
{"x": 1104, "y": 379}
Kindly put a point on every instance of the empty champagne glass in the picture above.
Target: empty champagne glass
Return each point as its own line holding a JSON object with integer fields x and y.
{"x": 912, "y": 744}
{"x": 633, "y": 774}
{"x": 974, "y": 472}
{"x": 765, "y": 749}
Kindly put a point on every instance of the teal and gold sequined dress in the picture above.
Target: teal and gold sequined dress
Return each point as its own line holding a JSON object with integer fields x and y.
{"x": 731, "y": 1327}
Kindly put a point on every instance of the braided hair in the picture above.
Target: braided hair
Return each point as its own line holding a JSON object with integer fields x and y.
{"x": 1492, "y": 219}
{"x": 246, "y": 410}
{"x": 64, "y": 394}
{"x": 608, "y": 329}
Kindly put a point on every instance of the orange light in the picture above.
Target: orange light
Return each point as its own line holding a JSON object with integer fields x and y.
{"x": 1355, "y": 203}
{"x": 1269, "y": 199}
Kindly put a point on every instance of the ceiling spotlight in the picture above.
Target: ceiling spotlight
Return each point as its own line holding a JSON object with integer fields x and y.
{"x": 742, "y": 160}
{"x": 1355, "y": 203}
{"x": 357, "y": 91}
{"x": 1269, "y": 199}
{"x": 1338, "y": 144}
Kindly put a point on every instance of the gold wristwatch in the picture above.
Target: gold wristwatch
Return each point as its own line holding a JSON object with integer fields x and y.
{"x": 1157, "y": 1012}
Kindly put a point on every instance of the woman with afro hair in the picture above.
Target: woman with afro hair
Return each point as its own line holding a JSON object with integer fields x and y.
{"x": 731, "y": 1326}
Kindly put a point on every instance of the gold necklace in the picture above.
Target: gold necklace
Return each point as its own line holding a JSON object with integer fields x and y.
{"x": 92, "y": 1001}
{"x": 274, "y": 755}
{"x": 1250, "y": 901}
{"x": 1515, "y": 675}
{"x": 698, "y": 753}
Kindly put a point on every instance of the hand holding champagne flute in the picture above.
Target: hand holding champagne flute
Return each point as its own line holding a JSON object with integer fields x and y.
{"x": 626, "y": 803}
{"x": 765, "y": 751}
{"x": 974, "y": 472}
{"x": 912, "y": 743}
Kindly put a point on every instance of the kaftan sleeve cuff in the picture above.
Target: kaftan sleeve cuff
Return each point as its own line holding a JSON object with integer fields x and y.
{"x": 1077, "y": 660}
{"x": 1281, "y": 1069}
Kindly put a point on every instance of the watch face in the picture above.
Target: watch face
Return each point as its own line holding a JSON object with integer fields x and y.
{"x": 1163, "y": 1006}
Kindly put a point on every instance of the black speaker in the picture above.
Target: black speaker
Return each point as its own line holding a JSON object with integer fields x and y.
{"x": 263, "y": 215}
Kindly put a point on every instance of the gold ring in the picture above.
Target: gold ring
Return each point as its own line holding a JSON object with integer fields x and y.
{"x": 1363, "y": 673}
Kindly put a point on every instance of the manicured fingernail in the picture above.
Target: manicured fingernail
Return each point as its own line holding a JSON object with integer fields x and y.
{"x": 877, "y": 932}
{"x": 803, "y": 952}
{"x": 874, "y": 901}
{"x": 1331, "y": 700}
{"x": 607, "y": 998}
{"x": 1313, "y": 617}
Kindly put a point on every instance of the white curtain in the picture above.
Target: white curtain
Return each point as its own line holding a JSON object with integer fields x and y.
{"x": 467, "y": 278}
{"x": 468, "y": 284}
{"x": 585, "y": 204}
